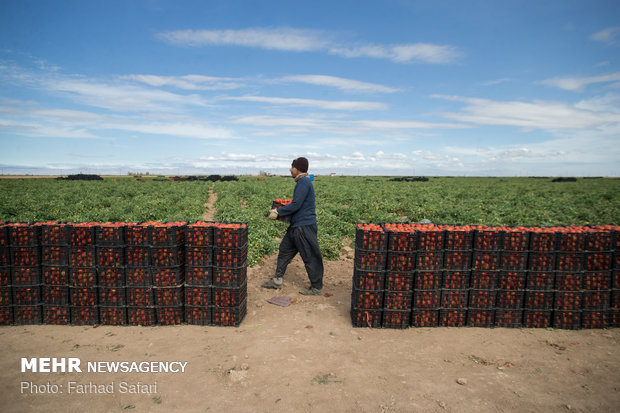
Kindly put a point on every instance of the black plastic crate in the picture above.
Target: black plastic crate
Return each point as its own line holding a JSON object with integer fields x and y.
{"x": 138, "y": 276}
{"x": 26, "y": 294}
{"x": 488, "y": 239}
{"x": 452, "y": 317}
{"x": 25, "y": 275}
{"x": 6, "y": 315}
{"x": 167, "y": 256}
{"x": 55, "y": 274}
{"x": 399, "y": 281}
{"x": 199, "y": 276}
{"x": 82, "y": 257}
{"x": 595, "y": 299}
{"x": 508, "y": 318}
{"x": 199, "y": 234}
{"x": 197, "y": 296}
{"x": 539, "y": 300}
{"x": 113, "y": 316}
{"x": 230, "y": 257}
{"x": 370, "y": 260}
{"x": 540, "y": 280}
{"x": 512, "y": 280}
{"x": 229, "y": 297}
{"x": 537, "y": 318}
{"x": 541, "y": 261}
{"x": 599, "y": 240}
{"x": 112, "y": 233}
{"x": 137, "y": 234}
{"x": 515, "y": 261}
{"x": 230, "y": 235}
{"x": 84, "y": 315}
{"x": 454, "y": 279}
{"x": 567, "y": 300}
{"x": 198, "y": 315}
{"x": 137, "y": 256}
{"x": 457, "y": 260}
{"x": 82, "y": 235}
{"x": 543, "y": 240}
{"x": 364, "y": 317}
{"x": 375, "y": 239}
{"x": 401, "y": 237}
{"x": 168, "y": 276}
{"x": 510, "y": 299}
{"x": 6, "y": 296}
{"x": 456, "y": 239}
{"x": 5, "y": 276}
{"x": 454, "y": 298}
{"x": 55, "y": 234}
{"x": 56, "y": 314}
{"x": 4, "y": 235}
{"x": 431, "y": 240}
{"x": 428, "y": 280}
{"x": 140, "y": 296}
{"x": 614, "y": 318}
{"x": 198, "y": 256}
{"x": 568, "y": 281}
{"x": 429, "y": 260}
{"x": 424, "y": 318}
{"x": 168, "y": 296}
{"x": 110, "y": 256}
{"x": 83, "y": 296}
{"x": 397, "y": 300}
{"x": 141, "y": 316}
{"x": 168, "y": 234}
{"x": 83, "y": 277}
{"x": 172, "y": 315}
{"x": 367, "y": 299}
{"x": 22, "y": 234}
{"x": 55, "y": 294}
{"x": 426, "y": 299}
{"x": 596, "y": 261}
{"x": 55, "y": 254}
{"x": 596, "y": 280}
{"x": 229, "y": 277}
{"x": 5, "y": 256}
{"x": 486, "y": 260}
{"x": 369, "y": 280}
{"x": 396, "y": 318}
{"x": 482, "y": 299}
{"x": 569, "y": 261}
{"x": 480, "y": 317}
{"x": 594, "y": 319}
{"x": 615, "y": 299}
{"x": 571, "y": 241}
{"x": 27, "y": 314}
{"x": 112, "y": 296}
{"x": 25, "y": 256}
{"x": 567, "y": 320}
{"x": 111, "y": 277}
{"x": 400, "y": 261}
{"x": 228, "y": 316}
{"x": 484, "y": 279}
{"x": 516, "y": 240}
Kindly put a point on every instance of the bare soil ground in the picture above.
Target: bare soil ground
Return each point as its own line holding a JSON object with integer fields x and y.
{"x": 308, "y": 358}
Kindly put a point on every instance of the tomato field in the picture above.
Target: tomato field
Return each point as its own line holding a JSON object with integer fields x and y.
{"x": 341, "y": 202}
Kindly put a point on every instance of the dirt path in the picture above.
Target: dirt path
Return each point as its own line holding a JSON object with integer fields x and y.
{"x": 308, "y": 358}
{"x": 209, "y": 213}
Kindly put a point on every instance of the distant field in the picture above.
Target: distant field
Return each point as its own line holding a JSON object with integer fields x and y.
{"x": 341, "y": 202}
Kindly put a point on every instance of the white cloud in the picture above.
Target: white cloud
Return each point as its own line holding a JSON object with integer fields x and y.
{"x": 579, "y": 83}
{"x": 322, "y": 104}
{"x": 188, "y": 82}
{"x": 609, "y": 36}
{"x": 404, "y": 53}
{"x": 343, "y": 84}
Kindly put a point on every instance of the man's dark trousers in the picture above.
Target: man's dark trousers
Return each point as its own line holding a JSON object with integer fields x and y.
{"x": 303, "y": 240}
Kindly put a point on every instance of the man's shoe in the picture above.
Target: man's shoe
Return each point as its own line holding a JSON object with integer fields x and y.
{"x": 310, "y": 291}
{"x": 273, "y": 283}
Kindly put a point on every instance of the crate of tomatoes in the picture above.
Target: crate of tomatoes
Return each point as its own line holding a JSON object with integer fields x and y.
{"x": 279, "y": 202}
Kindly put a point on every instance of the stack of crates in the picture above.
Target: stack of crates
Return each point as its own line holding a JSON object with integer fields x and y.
{"x": 455, "y": 292}
{"x": 138, "y": 275}
{"x": 25, "y": 259}
{"x": 614, "y": 312}
{"x": 198, "y": 273}
{"x": 168, "y": 266}
{"x": 428, "y": 276}
{"x": 229, "y": 286}
{"x": 505, "y": 270}
{"x": 83, "y": 282}
{"x": 111, "y": 283}
{"x": 399, "y": 275}
{"x": 537, "y": 298}
{"x": 6, "y": 300}
{"x": 55, "y": 253}
{"x": 597, "y": 282}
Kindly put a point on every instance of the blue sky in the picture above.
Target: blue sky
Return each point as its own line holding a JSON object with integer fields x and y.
{"x": 359, "y": 87}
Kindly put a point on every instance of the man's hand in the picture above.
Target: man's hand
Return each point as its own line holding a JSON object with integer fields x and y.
{"x": 273, "y": 214}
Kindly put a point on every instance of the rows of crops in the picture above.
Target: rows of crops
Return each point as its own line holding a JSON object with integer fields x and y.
{"x": 341, "y": 202}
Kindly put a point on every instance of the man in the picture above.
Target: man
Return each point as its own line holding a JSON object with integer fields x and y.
{"x": 301, "y": 235}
